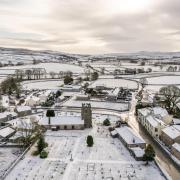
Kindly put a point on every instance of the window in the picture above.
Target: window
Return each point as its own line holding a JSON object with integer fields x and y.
{"x": 156, "y": 129}
{"x": 65, "y": 127}
{"x": 72, "y": 127}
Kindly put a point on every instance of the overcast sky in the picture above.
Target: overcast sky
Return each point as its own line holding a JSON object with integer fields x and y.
{"x": 91, "y": 26}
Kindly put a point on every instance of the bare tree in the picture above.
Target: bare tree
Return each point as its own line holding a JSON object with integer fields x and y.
{"x": 19, "y": 73}
{"x": 52, "y": 74}
{"x": 29, "y": 130}
{"x": 143, "y": 82}
{"x": 60, "y": 74}
{"x": 29, "y": 74}
{"x": 169, "y": 96}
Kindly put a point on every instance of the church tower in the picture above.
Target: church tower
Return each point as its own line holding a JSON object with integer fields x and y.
{"x": 86, "y": 115}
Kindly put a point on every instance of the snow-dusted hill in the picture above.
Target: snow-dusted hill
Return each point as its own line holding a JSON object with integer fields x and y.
{"x": 27, "y": 56}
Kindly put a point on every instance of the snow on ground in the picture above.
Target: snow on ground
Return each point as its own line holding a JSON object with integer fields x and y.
{"x": 112, "y": 83}
{"x": 46, "y": 84}
{"x": 107, "y": 158}
{"x": 155, "y": 88}
{"x": 164, "y": 80}
{"x": 99, "y": 118}
{"x": 55, "y": 67}
{"x": 97, "y": 104}
{"x": 7, "y": 157}
{"x": 5, "y": 101}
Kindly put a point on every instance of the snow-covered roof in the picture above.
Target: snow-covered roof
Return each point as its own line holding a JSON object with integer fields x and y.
{"x": 71, "y": 87}
{"x": 82, "y": 95}
{"x": 46, "y": 93}
{"x": 34, "y": 98}
{"x": 176, "y": 121}
{"x": 161, "y": 111}
{"x": 63, "y": 120}
{"x": 3, "y": 115}
{"x": 113, "y": 133}
{"x": 139, "y": 152}
{"x": 176, "y": 146}
{"x": 5, "y": 132}
{"x": 155, "y": 111}
{"x": 11, "y": 113}
{"x": 152, "y": 120}
{"x": 144, "y": 111}
{"x": 23, "y": 108}
{"x": 129, "y": 136}
{"x": 172, "y": 131}
{"x": 114, "y": 92}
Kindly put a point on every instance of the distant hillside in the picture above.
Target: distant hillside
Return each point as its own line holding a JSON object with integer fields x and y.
{"x": 15, "y": 55}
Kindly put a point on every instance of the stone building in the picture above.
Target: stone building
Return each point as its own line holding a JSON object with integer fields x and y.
{"x": 86, "y": 114}
{"x": 171, "y": 135}
{"x": 176, "y": 150}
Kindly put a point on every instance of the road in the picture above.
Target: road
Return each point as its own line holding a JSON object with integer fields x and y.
{"x": 161, "y": 157}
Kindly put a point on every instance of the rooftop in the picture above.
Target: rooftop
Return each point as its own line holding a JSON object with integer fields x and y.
{"x": 23, "y": 108}
{"x": 176, "y": 146}
{"x": 172, "y": 131}
{"x": 63, "y": 119}
{"x": 5, "y": 132}
{"x": 129, "y": 136}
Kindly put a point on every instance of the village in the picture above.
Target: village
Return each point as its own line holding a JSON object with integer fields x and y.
{"x": 83, "y": 117}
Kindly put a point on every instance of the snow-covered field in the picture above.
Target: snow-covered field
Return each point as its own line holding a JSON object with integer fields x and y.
{"x": 155, "y": 88}
{"x": 107, "y": 159}
{"x": 97, "y": 104}
{"x": 55, "y": 67}
{"x": 164, "y": 80}
{"x": 7, "y": 157}
{"x": 112, "y": 83}
{"x": 37, "y": 84}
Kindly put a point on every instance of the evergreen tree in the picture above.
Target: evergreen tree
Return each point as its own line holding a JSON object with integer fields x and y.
{"x": 94, "y": 76}
{"x": 41, "y": 144}
{"x": 149, "y": 153}
{"x": 106, "y": 122}
{"x": 68, "y": 79}
{"x": 89, "y": 141}
{"x": 50, "y": 113}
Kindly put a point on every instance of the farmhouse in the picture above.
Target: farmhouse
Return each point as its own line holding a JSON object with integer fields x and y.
{"x": 3, "y": 118}
{"x": 113, "y": 95}
{"x": 7, "y": 116}
{"x": 82, "y": 97}
{"x": 6, "y": 133}
{"x": 71, "y": 88}
{"x": 23, "y": 110}
{"x": 44, "y": 96}
{"x": 32, "y": 101}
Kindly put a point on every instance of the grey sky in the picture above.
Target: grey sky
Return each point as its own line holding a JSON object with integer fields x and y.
{"x": 91, "y": 26}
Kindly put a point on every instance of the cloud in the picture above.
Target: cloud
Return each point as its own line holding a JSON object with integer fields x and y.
{"x": 98, "y": 26}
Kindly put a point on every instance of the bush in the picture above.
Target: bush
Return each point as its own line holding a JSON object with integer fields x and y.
{"x": 68, "y": 80}
{"x": 58, "y": 93}
{"x": 106, "y": 122}
{"x": 89, "y": 141}
{"x": 35, "y": 153}
{"x": 94, "y": 76}
{"x": 111, "y": 129}
{"x": 21, "y": 101}
{"x": 149, "y": 153}
{"x": 41, "y": 144}
{"x": 43, "y": 154}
